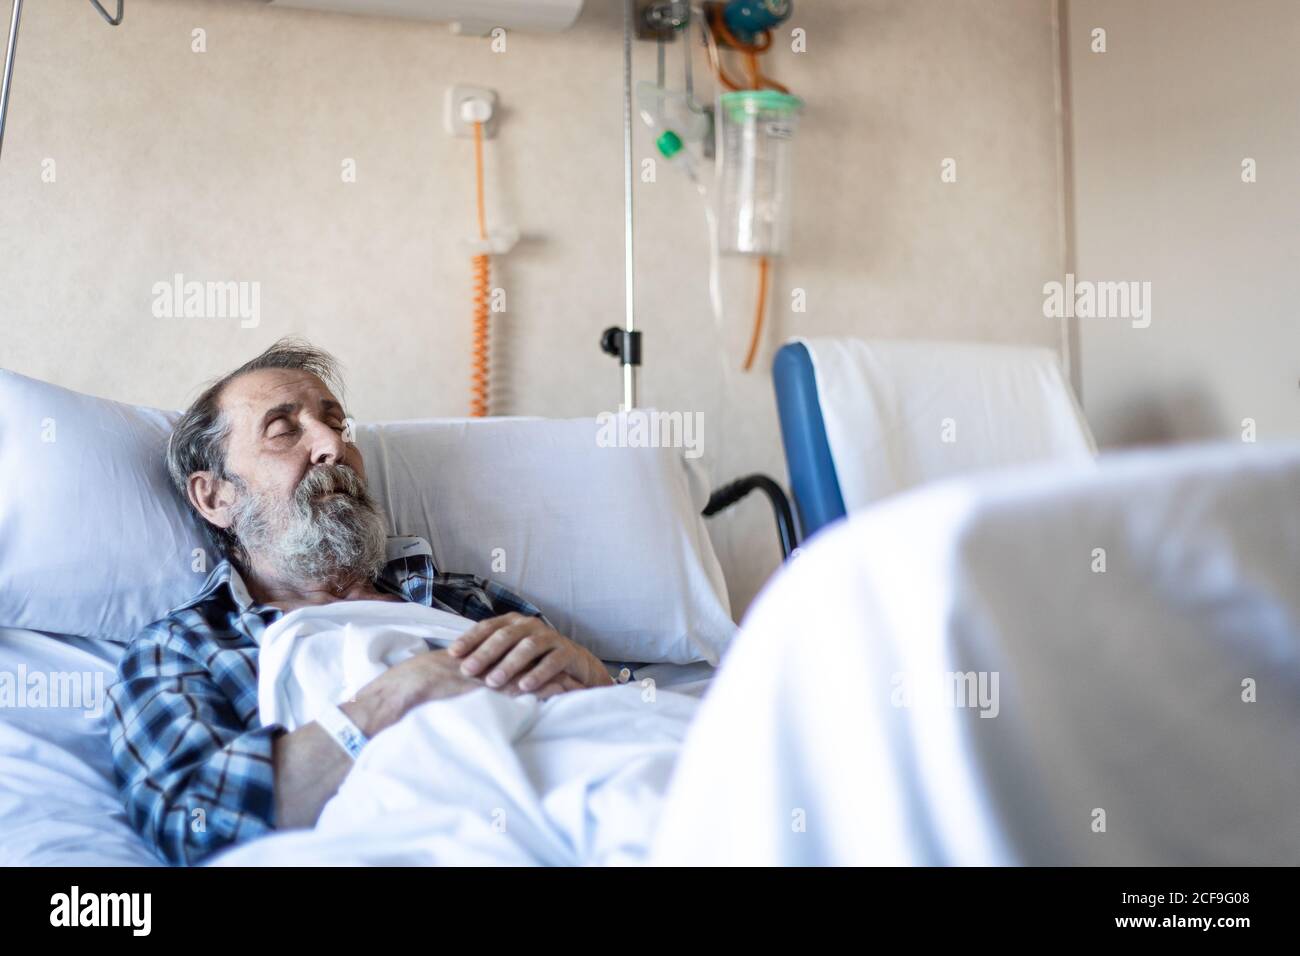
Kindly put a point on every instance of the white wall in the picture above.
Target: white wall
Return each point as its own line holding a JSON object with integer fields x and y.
{"x": 226, "y": 166}
{"x": 1161, "y": 122}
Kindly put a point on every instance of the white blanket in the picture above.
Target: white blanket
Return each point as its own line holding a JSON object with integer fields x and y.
{"x": 477, "y": 779}
{"x": 899, "y": 414}
{"x": 315, "y": 657}
{"x": 1134, "y": 636}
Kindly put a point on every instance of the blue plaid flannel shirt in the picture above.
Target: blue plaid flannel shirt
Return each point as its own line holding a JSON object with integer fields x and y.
{"x": 192, "y": 758}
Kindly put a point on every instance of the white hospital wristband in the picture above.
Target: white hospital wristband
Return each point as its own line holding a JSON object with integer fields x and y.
{"x": 345, "y": 733}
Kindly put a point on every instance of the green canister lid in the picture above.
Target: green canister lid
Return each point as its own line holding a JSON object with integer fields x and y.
{"x": 743, "y": 103}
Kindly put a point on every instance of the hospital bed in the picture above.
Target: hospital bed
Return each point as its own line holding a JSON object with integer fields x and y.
{"x": 983, "y": 572}
{"x": 94, "y": 544}
{"x": 59, "y": 802}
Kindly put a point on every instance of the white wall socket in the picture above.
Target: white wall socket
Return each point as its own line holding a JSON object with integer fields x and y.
{"x": 454, "y": 114}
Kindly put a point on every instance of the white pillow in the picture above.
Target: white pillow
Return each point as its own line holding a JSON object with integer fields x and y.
{"x": 608, "y": 542}
{"x": 93, "y": 539}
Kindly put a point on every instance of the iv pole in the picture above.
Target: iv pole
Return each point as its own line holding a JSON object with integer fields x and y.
{"x": 629, "y": 367}
{"x": 11, "y": 47}
{"x": 625, "y": 343}
{"x": 660, "y": 18}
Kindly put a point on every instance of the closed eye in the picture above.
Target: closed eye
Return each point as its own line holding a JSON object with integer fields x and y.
{"x": 289, "y": 429}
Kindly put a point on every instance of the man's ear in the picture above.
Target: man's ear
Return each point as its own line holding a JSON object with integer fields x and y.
{"x": 212, "y": 497}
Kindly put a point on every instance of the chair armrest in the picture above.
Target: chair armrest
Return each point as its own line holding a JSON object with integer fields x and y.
{"x": 734, "y": 491}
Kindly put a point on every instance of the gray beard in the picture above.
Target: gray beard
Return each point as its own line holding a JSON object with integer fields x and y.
{"x": 311, "y": 539}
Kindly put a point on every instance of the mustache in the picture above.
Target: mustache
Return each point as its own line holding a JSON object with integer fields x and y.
{"x": 326, "y": 479}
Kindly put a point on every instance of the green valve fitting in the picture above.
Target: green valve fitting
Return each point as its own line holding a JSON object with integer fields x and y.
{"x": 669, "y": 143}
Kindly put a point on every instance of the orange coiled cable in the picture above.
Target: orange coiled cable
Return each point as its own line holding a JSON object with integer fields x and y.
{"x": 478, "y": 388}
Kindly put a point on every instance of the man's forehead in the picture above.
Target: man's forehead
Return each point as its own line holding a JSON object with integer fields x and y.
{"x": 255, "y": 392}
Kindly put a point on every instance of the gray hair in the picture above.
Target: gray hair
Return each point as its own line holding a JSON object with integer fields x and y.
{"x": 198, "y": 442}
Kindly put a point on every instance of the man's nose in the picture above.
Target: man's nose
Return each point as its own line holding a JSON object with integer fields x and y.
{"x": 327, "y": 445}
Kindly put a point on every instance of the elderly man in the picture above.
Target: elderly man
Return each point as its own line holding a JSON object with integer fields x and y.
{"x": 261, "y": 457}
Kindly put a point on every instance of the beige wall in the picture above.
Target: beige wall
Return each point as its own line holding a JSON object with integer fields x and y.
{"x": 226, "y": 166}
{"x": 1162, "y": 120}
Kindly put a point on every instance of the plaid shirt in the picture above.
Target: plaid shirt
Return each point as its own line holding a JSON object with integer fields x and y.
{"x": 192, "y": 758}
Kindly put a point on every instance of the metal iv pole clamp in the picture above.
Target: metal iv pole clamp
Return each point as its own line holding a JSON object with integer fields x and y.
{"x": 622, "y": 344}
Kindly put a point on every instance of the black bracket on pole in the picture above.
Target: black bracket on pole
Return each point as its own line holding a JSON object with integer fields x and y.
{"x": 622, "y": 344}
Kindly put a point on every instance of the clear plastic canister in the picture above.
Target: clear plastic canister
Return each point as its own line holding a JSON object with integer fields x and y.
{"x": 755, "y": 158}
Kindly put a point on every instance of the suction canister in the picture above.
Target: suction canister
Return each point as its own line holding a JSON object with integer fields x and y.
{"x": 755, "y": 140}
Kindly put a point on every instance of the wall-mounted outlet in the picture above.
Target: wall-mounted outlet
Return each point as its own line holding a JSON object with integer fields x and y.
{"x": 464, "y": 105}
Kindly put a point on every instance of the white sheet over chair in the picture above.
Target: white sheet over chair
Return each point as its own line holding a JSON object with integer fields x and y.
{"x": 1122, "y": 687}
{"x": 901, "y": 413}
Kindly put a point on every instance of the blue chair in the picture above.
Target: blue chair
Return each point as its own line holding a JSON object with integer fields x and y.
{"x": 1015, "y": 399}
{"x": 813, "y": 481}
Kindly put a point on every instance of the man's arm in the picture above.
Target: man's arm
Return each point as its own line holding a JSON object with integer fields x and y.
{"x": 310, "y": 766}
{"x": 195, "y": 775}
{"x": 198, "y": 778}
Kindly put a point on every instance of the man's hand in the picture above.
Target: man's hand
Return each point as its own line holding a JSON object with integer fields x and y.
{"x": 309, "y": 766}
{"x": 433, "y": 675}
{"x": 516, "y": 650}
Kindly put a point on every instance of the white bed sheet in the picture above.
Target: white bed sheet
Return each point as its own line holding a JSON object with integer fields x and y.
{"x": 482, "y": 779}
{"x": 59, "y": 803}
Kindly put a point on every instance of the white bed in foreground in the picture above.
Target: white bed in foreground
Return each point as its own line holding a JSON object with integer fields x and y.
{"x": 1147, "y": 713}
